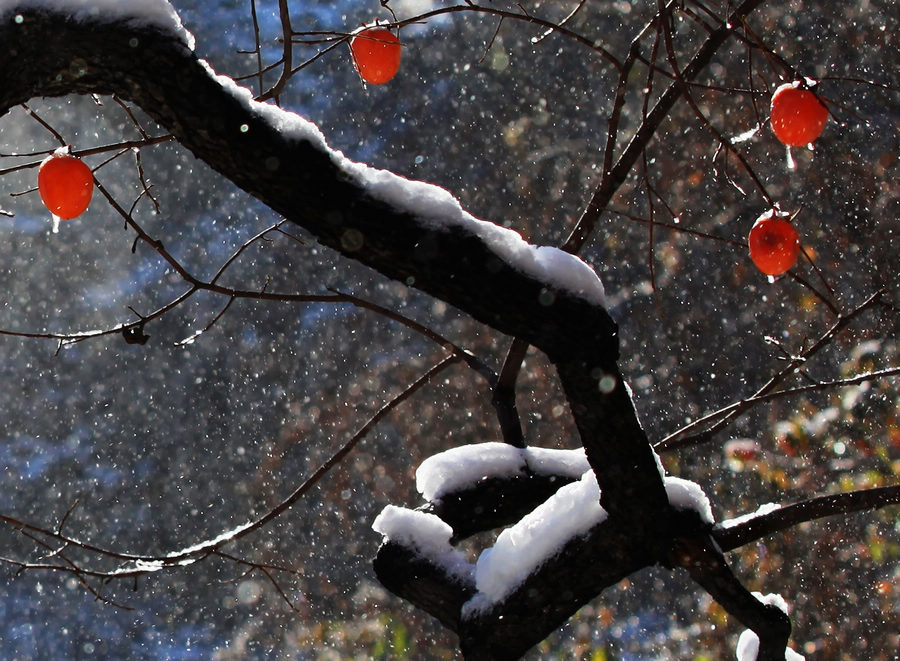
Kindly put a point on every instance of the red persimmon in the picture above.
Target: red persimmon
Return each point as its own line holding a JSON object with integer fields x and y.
{"x": 66, "y": 185}
{"x": 774, "y": 243}
{"x": 376, "y": 54}
{"x": 797, "y": 115}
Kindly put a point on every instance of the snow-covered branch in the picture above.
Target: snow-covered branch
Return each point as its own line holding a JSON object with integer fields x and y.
{"x": 409, "y": 230}
{"x": 772, "y": 519}
{"x": 414, "y": 232}
{"x": 509, "y": 598}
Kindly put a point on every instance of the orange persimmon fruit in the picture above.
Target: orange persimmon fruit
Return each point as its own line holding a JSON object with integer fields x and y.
{"x": 797, "y": 115}
{"x": 774, "y": 243}
{"x": 65, "y": 184}
{"x": 376, "y": 54}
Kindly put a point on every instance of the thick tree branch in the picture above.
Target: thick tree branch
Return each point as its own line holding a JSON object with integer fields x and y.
{"x": 705, "y": 563}
{"x": 585, "y": 566}
{"x": 496, "y": 502}
{"x": 291, "y": 172}
{"x": 422, "y": 583}
{"x": 282, "y": 161}
{"x": 582, "y": 569}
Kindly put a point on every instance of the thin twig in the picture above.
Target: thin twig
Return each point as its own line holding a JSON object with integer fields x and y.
{"x": 257, "y": 46}
{"x": 718, "y": 420}
{"x": 614, "y": 176}
{"x": 566, "y": 19}
{"x": 56, "y": 134}
{"x": 287, "y": 54}
{"x": 688, "y": 97}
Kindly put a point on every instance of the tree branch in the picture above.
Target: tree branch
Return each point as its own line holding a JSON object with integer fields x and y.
{"x": 283, "y": 161}
{"x": 614, "y": 175}
{"x": 705, "y": 563}
{"x": 718, "y": 420}
{"x": 757, "y": 527}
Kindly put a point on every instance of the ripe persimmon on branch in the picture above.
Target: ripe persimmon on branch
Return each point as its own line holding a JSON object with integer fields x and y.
{"x": 133, "y": 331}
{"x": 578, "y": 521}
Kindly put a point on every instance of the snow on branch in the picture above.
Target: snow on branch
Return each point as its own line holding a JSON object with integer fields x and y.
{"x": 425, "y": 535}
{"x": 524, "y": 547}
{"x": 435, "y": 207}
{"x": 769, "y": 519}
{"x": 686, "y": 495}
{"x": 762, "y": 510}
{"x": 519, "y": 550}
{"x": 540, "y": 535}
{"x": 462, "y": 467}
{"x": 137, "y": 14}
{"x": 510, "y": 598}
{"x": 438, "y": 208}
{"x": 748, "y": 643}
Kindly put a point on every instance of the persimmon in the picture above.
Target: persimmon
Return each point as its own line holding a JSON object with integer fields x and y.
{"x": 774, "y": 243}
{"x": 797, "y": 115}
{"x": 65, "y": 184}
{"x": 376, "y": 54}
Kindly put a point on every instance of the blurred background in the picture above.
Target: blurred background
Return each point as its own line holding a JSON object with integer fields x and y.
{"x": 151, "y": 448}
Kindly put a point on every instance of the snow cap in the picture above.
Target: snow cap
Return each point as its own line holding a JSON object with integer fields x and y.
{"x": 157, "y": 14}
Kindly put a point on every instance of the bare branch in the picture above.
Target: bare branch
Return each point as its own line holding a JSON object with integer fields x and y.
{"x": 763, "y": 525}
{"x": 287, "y": 55}
{"x": 550, "y": 26}
{"x": 718, "y": 420}
{"x": 614, "y": 176}
{"x": 504, "y": 395}
{"x": 724, "y": 142}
